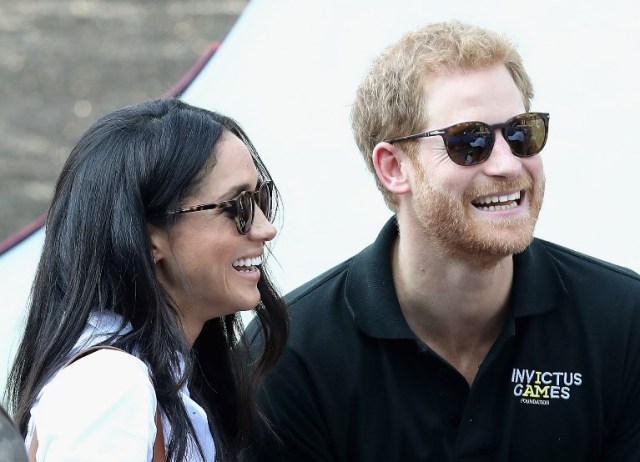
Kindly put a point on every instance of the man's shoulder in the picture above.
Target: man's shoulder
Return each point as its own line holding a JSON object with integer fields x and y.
{"x": 322, "y": 286}
{"x": 11, "y": 442}
{"x": 574, "y": 260}
{"x": 310, "y": 303}
{"x": 353, "y": 274}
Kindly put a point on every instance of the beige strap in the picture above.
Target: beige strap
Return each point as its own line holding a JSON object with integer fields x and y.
{"x": 158, "y": 445}
{"x": 34, "y": 447}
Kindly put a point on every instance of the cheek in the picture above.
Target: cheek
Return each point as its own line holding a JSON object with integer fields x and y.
{"x": 202, "y": 252}
{"x": 452, "y": 181}
{"x": 534, "y": 166}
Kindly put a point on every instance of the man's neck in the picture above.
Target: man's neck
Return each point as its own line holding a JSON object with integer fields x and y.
{"x": 456, "y": 307}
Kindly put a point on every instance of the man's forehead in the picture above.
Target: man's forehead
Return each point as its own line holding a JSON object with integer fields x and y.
{"x": 463, "y": 94}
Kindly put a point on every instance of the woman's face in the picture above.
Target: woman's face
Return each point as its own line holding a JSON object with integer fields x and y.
{"x": 207, "y": 267}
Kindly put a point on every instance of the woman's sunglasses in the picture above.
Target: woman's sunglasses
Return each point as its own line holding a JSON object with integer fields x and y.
{"x": 242, "y": 207}
{"x": 470, "y": 143}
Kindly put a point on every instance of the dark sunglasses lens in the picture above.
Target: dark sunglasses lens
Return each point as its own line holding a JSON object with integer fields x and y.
{"x": 469, "y": 143}
{"x": 264, "y": 199}
{"x": 526, "y": 134}
{"x": 244, "y": 217}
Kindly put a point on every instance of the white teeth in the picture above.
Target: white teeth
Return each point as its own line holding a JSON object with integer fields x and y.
{"x": 256, "y": 261}
{"x": 487, "y": 203}
{"x": 497, "y": 208}
{"x": 496, "y": 199}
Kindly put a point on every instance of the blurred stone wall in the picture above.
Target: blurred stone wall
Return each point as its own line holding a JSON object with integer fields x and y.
{"x": 65, "y": 63}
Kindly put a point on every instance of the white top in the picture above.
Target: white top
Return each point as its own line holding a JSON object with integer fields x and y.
{"x": 102, "y": 408}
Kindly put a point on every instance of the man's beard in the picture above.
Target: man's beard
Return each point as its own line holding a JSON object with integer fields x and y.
{"x": 466, "y": 236}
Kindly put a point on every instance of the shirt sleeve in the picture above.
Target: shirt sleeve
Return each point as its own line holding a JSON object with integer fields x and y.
{"x": 100, "y": 408}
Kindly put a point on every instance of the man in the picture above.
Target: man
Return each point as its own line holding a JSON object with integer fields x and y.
{"x": 12, "y": 448}
{"x": 456, "y": 335}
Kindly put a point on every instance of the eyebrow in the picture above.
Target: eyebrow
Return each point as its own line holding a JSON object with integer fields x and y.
{"x": 236, "y": 190}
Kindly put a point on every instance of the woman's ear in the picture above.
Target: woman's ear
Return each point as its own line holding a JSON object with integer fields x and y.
{"x": 390, "y": 163}
{"x": 159, "y": 242}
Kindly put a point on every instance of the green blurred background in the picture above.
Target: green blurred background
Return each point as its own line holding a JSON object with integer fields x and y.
{"x": 64, "y": 63}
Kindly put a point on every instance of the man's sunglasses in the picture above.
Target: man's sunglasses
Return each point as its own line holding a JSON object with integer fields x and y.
{"x": 242, "y": 207}
{"x": 470, "y": 143}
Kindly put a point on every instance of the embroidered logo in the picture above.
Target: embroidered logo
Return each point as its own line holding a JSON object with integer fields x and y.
{"x": 542, "y": 387}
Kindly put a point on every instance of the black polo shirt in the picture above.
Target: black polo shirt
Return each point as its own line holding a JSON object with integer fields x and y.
{"x": 561, "y": 383}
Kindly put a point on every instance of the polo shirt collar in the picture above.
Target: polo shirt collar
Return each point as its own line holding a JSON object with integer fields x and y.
{"x": 370, "y": 291}
{"x": 371, "y": 296}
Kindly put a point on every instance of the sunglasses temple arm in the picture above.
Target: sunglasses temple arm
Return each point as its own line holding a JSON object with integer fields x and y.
{"x": 415, "y": 136}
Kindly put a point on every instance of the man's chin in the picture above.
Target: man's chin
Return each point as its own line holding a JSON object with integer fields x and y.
{"x": 487, "y": 247}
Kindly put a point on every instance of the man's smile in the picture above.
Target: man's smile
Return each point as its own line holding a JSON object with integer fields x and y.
{"x": 494, "y": 203}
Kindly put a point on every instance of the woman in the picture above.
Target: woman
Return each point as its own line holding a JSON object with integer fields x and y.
{"x": 154, "y": 243}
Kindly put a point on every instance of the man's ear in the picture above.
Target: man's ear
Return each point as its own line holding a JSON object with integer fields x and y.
{"x": 159, "y": 242}
{"x": 390, "y": 163}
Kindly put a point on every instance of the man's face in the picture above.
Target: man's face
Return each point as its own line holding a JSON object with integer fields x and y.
{"x": 455, "y": 205}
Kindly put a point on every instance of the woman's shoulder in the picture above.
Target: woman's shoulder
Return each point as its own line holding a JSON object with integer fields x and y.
{"x": 105, "y": 398}
{"x": 100, "y": 383}
{"x": 108, "y": 370}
